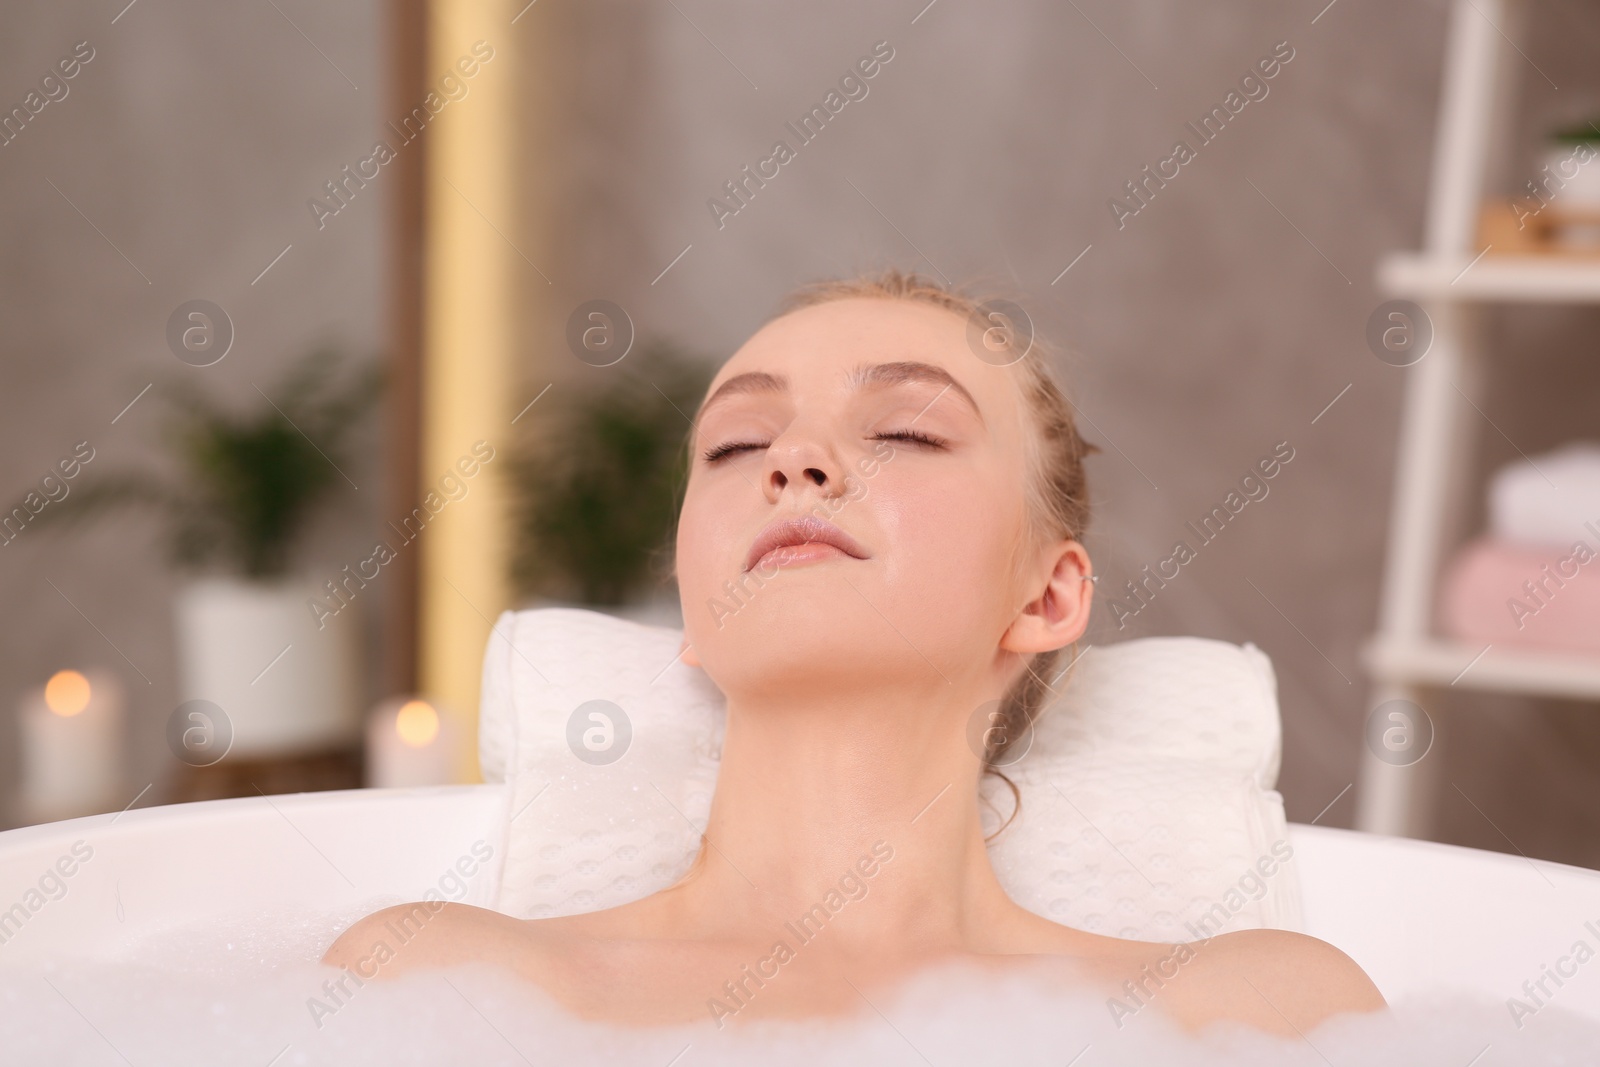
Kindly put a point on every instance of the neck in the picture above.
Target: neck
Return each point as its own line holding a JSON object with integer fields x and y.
{"x": 862, "y": 807}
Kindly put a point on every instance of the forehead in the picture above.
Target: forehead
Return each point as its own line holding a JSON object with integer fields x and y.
{"x": 863, "y": 341}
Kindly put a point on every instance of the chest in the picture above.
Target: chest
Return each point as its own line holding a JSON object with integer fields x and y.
{"x": 671, "y": 982}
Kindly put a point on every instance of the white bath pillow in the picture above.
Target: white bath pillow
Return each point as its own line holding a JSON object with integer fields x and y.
{"x": 1147, "y": 802}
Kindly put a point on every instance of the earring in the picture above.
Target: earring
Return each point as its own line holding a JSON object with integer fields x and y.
{"x": 1090, "y": 577}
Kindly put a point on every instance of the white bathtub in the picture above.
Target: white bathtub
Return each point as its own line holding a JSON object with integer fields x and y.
{"x": 1417, "y": 916}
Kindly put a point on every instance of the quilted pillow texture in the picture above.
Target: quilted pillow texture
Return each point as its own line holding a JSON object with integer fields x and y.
{"x": 1148, "y": 808}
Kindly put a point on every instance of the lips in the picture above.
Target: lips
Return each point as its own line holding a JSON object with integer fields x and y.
{"x": 784, "y": 533}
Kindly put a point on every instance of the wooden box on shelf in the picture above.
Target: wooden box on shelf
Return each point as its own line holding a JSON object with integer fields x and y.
{"x": 1556, "y": 230}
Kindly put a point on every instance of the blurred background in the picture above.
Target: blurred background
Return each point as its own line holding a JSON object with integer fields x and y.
{"x": 331, "y": 331}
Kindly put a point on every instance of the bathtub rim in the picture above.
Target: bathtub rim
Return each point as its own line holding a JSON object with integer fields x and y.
{"x": 1418, "y": 916}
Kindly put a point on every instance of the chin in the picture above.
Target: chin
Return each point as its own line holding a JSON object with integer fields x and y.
{"x": 804, "y": 625}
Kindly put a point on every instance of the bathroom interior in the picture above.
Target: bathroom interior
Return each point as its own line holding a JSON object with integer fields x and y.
{"x": 347, "y": 358}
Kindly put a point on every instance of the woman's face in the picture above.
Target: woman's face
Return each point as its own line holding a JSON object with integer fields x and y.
{"x": 810, "y": 418}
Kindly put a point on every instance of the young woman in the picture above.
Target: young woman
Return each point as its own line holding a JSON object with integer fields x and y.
{"x": 902, "y": 498}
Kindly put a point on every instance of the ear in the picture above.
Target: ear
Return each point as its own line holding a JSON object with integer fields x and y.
{"x": 686, "y": 651}
{"x": 1059, "y": 612}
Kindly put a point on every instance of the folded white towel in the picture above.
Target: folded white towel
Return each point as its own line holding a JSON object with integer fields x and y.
{"x": 1546, "y": 500}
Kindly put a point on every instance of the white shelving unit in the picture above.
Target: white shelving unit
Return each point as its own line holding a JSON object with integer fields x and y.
{"x": 1452, "y": 280}
{"x": 1541, "y": 279}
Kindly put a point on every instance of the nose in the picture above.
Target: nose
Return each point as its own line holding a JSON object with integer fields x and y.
{"x": 797, "y": 458}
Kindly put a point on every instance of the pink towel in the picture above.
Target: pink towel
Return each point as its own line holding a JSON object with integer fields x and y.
{"x": 1510, "y": 594}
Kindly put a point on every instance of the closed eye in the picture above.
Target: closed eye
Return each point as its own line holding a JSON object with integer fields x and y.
{"x": 916, "y": 436}
{"x": 711, "y": 455}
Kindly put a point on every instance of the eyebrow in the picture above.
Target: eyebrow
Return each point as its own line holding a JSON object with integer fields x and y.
{"x": 866, "y": 375}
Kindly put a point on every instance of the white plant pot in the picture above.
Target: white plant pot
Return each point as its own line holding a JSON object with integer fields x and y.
{"x": 1580, "y": 180}
{"x": 254, "y": 650}
{"x": 1578, "y": 168}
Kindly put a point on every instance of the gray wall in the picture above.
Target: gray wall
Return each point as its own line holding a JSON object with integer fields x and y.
{"x": 1212, "y": 326}
{"x": 1202, "y": 333}
{"x": 191, "y": 143}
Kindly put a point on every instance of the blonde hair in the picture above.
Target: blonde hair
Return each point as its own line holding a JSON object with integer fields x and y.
{"x": 1057, "y": 490}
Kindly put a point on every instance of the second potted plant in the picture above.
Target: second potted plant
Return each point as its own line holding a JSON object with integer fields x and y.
{"x": 248, "y": 643}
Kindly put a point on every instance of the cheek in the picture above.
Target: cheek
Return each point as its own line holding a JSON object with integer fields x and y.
{"x": 950, "y": 546}
{"x": 712, "y": 535}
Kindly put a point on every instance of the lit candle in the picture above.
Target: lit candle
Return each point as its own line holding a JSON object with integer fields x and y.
{"x": 409, "y": 743}
{"x": 71, "y": 735}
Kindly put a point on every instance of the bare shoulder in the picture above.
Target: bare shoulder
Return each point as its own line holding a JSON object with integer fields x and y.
{"x": 1278, "y": 980}
{"x": 434, "y": 933}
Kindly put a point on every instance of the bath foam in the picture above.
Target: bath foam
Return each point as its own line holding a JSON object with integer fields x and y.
{"x": 238, "y": 994}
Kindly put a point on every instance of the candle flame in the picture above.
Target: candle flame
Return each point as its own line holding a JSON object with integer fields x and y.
{"x": 66, "y": 693}
{"x": 417, "y": 723}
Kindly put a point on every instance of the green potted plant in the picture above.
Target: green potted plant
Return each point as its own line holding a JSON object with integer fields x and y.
{"x": 1571, "y": 179}
{"x": 247, "y": 485}
{"x": 598, "y": 488}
